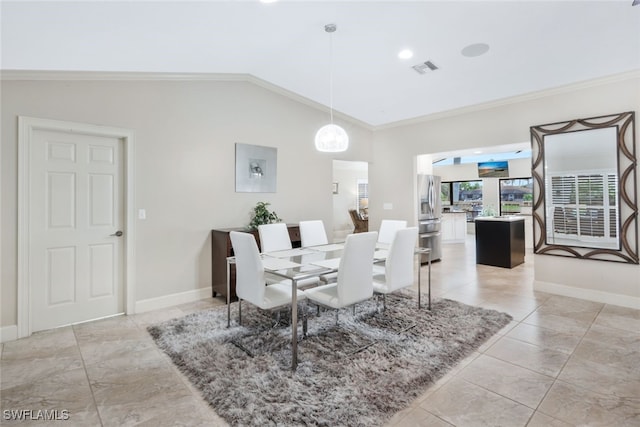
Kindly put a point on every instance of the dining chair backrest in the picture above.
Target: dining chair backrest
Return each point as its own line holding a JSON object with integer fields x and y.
{"x": 360, "y": 225}
{"x": 356, "y": 268}
{"x": 400, "y": 260}
{"x": 388, "y": 228}
{"x": 250, "y": 281}
{"x": 312, "y": 233}
{"x": 274, "y": 237}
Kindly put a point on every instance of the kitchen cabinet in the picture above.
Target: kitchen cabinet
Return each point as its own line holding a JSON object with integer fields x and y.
{"x": 454, "y": 227}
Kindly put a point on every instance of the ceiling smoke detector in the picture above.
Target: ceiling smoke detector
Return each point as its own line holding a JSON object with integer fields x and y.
{"x": 424, "y": 67}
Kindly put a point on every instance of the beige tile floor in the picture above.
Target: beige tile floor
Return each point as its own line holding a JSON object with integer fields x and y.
{"x": 562, "y": 361}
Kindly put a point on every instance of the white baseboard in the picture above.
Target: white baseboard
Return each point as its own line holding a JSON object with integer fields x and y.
{"x": 173, "y": 299}
{"x": 9, "y": 333}
{"x": 588, "y": 294}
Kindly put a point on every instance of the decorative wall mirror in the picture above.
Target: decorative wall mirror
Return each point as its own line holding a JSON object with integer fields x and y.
{"x": 585, "y": 202}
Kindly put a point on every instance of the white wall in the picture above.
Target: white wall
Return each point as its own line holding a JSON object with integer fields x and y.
{"x": 392, "y": 171}
{"x": 184, "y": 162}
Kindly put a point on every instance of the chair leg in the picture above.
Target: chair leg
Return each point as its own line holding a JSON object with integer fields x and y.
{"x": 354, "y": 309}
{"x": 337, "y": 311}
{"x": 278, "y": 318}
{"x": 384, "y": 302}
{"x": 240, "y": 311}
{"x": 304, "y": 320}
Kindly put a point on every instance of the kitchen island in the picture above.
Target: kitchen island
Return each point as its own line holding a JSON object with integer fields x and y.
{"x": 500, "y": 241}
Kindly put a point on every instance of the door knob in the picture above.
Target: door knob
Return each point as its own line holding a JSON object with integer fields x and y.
{"x": 118, "y": 233}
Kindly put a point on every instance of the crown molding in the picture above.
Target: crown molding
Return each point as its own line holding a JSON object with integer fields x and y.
{"x": 306, "y": 101}
{"x": 572, "y": 87}
{"x": 61, "y": 75}
{"x": 240, "y": 77}
{"x": 116, "y": 75}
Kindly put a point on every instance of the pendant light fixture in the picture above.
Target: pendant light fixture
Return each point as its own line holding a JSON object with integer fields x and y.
{"x": 331, "y": 138}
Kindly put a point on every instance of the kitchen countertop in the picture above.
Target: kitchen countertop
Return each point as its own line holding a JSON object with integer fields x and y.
{"x": 503, "y": 218}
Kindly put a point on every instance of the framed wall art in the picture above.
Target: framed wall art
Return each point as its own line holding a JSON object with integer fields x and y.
{"x": 256, "y": 168}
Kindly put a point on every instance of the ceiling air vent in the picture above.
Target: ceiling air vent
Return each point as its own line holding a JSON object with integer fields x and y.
{"x": 424, "y": 67}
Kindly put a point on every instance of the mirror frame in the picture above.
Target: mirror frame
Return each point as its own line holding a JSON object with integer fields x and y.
{"x": 627, "y": 192}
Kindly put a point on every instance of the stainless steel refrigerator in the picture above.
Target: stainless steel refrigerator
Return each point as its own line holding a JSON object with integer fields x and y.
{"x": 429, "y": 215}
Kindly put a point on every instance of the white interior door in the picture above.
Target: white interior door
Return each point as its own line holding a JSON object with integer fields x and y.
{"x": 76, "y": 210}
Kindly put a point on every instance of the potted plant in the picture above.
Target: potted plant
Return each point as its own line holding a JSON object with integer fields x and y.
{"x": 262, "y": 215}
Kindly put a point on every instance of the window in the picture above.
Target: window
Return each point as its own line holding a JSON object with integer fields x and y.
{"x": 583, "y": 208}
{"x": 463, "y": 196}
{"x": 363, "y": 198}
{"x": 445, "y": 193}
{"x": 516, "y": 195}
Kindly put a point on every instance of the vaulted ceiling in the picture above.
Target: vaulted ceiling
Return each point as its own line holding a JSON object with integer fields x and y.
{"x": 533, "y": 46}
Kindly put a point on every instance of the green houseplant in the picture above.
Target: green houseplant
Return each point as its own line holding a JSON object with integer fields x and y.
{"x": 262, "y": 215}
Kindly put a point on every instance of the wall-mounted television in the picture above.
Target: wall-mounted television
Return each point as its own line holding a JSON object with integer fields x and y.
{"x": 498, "y": 169}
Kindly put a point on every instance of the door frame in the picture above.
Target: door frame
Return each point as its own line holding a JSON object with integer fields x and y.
{"x": 26, "y": 127}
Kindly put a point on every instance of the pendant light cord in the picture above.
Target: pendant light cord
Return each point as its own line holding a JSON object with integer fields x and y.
{"x": 331, "y": 76}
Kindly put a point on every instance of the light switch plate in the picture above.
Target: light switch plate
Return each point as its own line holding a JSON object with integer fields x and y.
{"x": 387, "y": 206}
{"x": 142, "y": 214}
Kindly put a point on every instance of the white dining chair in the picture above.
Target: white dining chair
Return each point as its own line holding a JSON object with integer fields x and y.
{"x": 355, "y": 273}
{"x": 250, "y": 277}
{"x": 312, "y": 233}
{"x": 398, "y": 270}
{"x": 388, "y": 228}
{"x": 274, "y": 237}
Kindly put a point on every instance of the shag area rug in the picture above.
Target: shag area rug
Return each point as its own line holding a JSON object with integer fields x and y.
{"x": 356, "y": 373}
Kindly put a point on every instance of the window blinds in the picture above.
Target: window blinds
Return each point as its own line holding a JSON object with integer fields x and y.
{"x": 363, "y": 196}
{"x": 584, "y": 205}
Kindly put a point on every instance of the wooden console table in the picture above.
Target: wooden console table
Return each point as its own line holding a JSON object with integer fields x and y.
{"x": 221, "y": 249}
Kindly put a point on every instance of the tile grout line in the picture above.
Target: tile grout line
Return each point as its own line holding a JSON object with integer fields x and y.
{"x": 557, "y": 377}
{"x": 516, "y": 365}
{"x": 195, "y": 393}
{"x": 84, "y": 366}
{"x": 534, "y": 410}
{"x": 456, "y": 375}
{"x": 498, "y": 394}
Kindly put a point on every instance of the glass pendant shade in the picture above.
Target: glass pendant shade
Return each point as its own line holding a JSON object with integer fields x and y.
{"x": 332, "y": 139}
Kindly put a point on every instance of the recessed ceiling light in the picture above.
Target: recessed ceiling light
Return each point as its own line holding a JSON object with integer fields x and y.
{"x": 268, "y": 1}
{"x": 405, "y": 54}
{"x": 475, "y": 49}
{"x": 477, "y": 152}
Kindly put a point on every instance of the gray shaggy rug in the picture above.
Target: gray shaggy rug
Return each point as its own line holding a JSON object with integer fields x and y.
{"x": 357, "y": 373}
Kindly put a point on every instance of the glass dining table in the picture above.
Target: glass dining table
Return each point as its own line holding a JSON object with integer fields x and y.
{"x": 303, "y": 263}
